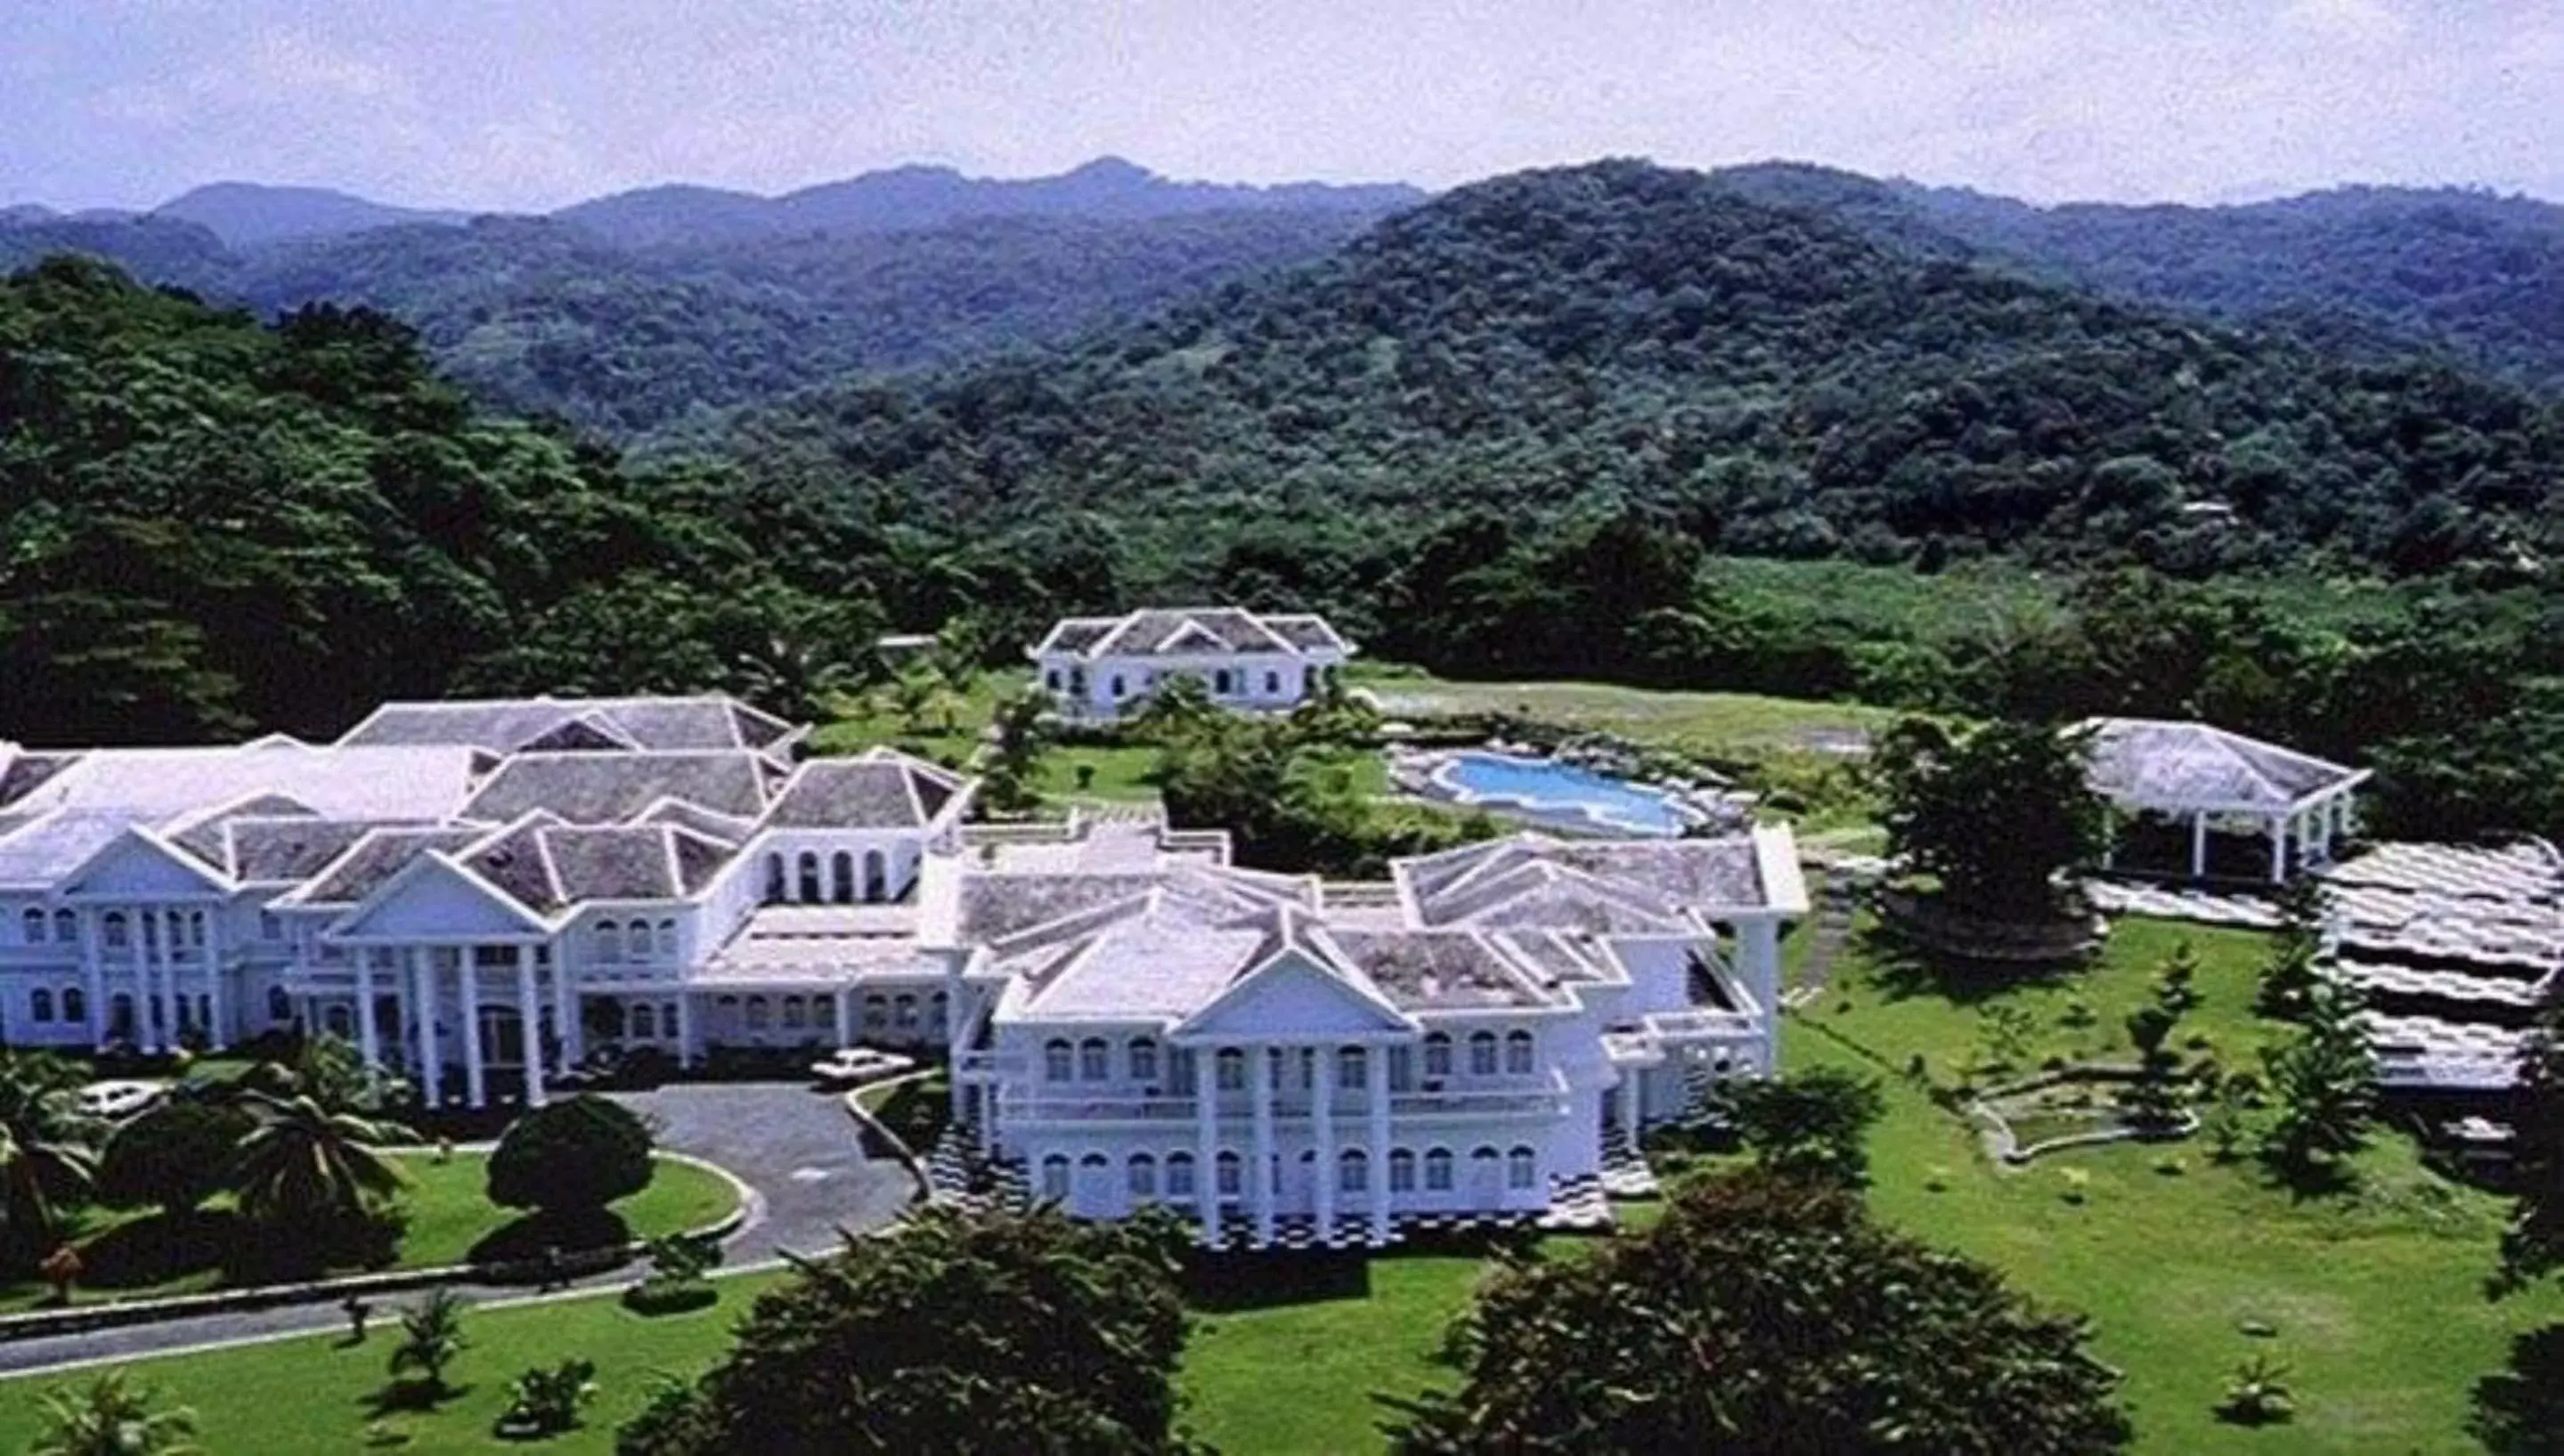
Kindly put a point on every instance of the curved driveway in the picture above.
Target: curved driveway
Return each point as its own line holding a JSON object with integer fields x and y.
{"x": 798, "y": 1150}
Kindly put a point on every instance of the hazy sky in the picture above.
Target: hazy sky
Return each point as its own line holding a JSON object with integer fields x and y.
{"x": 531, "y": 103}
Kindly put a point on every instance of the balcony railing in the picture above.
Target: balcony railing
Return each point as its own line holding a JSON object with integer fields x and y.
{"x": 1538, "y": 1095}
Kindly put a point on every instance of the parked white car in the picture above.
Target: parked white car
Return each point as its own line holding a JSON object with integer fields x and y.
{"x": 120, "y": 1100}
{"x": 855, "y": 1066}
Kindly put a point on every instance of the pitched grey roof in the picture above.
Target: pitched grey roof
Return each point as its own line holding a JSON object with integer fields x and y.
{"x": 1532, "y": 880}
{"x": 606, "y": 788}
{"x": 727, "y": 828}
{"x": 1422, "y": 970}
{"x": 881, "y": 789}
{"x": 997, "y": 906}
{"x": 508, "y": 725}
{"x": 376, "y": 856}
{"x": 2162, "y": 764}
{"x": 620, "y": 862}
{"x": 288, "y": 849}
{"x": 1305, "y": 632}
{"x": 21, "y": 773}
{"x": 159, "y": 784}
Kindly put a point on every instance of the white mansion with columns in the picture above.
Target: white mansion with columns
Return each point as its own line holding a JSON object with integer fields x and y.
{"x": 477, "y": 891}
{"x": 1100, "y": 669}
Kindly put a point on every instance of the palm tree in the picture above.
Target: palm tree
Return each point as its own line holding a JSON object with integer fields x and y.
{"x": 431, "y": 1337}
{"x": 300, "y": 1161}
{"x": 111, "y": 1418}
{"x": 48, "y": 1152}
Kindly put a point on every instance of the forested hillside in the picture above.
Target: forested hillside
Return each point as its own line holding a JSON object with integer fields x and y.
{"x": 1760, "y": 380}
{"x": 540, "y": 316}
{"x": 211, "y": 526}
{"x": 2475, "y": 275}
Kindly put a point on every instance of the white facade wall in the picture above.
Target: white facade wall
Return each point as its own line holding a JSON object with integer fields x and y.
{"x": 1107, "y": 687}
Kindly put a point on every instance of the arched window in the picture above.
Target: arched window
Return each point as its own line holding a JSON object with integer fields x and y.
{"x": 1402, "y": 1171}
{"x": 1144, "y": 1058}
{"x": 903, "y": 1011}
{"x": 1094, "y": 1060}
{"x": 1117, "y": 685}
{"x": 1219, "y": 681}
{"x": 1095, "y": 1162}
{"x": 875, "y": 1012}
{"x": 1272, "y": 683}
{"x": 1482, "y": 1054}
{"x": 609, "y": 941}
{"x": 67, "y": 926}
{"x": 1352, "y": 1069}
{"x": 1059, "y": 1061}
{"x": 841, "y": 877}
{"x": 1437, "y": 1055}
{"x": 1231, "y": 1173}
{"x": 876, "y": 874}
{"x": 1518, "y": 1052}
{"x": 1402, "y": 1069}
{"x": 645, "y": 1022}
{"x": 809, "y": 868}
{"x": 668, "y": 940}
{"x": 40, "y": 1004}
{"x": 1522, "y": 1169}
{"x": 1143, "y": 1176}
{"x": 774, "y": 879}
{"x": 114, "y": 926}
{"x": 797, "y": 1015}
{"x": 75, "y": 1005}
{"x": 1482, "y": 1168}
{"x": 757, "y": 1013}
{"x": 35, "y": 926}
{"x": 1353, "y": 1171}
{"x": 1437, "y": 1171}
{"x": 1055, "y": 1177}
{"x": 938, "y": 1012}
{"x": 1179, "y": 1175}
{"x": 1232, "y": 1070}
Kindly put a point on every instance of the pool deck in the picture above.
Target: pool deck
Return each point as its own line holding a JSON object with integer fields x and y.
{"x": 1432, "y": 776}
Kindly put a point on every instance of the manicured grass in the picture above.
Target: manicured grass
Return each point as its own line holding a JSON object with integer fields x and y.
{"x": 1119, "y": 772}
{"x": 1716, "y": 724}
{"x": 315, "y": 1396}
{"x": 449, "y": 1214}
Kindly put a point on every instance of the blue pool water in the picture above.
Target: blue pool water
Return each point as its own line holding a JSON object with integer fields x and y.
{"x": 1560, "y": 790}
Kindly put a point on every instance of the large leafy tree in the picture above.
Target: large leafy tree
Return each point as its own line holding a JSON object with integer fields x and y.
{"x": 572, "y": 1156}
{"x": 48, "y": 1152}
{"x": 302, "y": 1164}
{"x": 959, "y": 1333}
{"x": 2533, "y": 1245}
{"x": 1812, "y": 1125}
{"x": 1994, "y": 812}
{"x": 1764, "y": 1315}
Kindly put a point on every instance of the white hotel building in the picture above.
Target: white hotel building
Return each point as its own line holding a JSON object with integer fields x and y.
{"x": 1101, "y": 669}
{"x": 464, "y": 888}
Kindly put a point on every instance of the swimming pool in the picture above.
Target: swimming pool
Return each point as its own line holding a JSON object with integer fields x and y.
{"x": 1560, "y": 795}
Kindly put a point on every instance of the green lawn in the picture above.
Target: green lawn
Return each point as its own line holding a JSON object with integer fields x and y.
{"x": 449, "y": 1214}
{"x": 1716, "y": 724}
{"x": 314, "y": 1396}
{"x": 2375, "y": 1296}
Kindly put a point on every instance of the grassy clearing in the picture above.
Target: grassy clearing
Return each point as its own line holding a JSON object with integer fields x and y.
{"x": 1710, "y": 724}
{"x": 449, "y": 1212}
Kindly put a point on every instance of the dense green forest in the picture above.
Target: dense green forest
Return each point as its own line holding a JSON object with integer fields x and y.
{"x": 2471, "y": 275}
{"x": 539, "y": 317}
{"x": 1611, "y": 421}
{"x": 209, "y": 525}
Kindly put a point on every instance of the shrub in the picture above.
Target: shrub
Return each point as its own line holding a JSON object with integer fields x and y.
{"x": 2079, "y": 1186}
{"x": 678, "y": 1263}
{"x": 2256, "y": 1394}
{"x": 546, "y": 1403}
{"x": 171, "y": 1157}
{"x": 572, "y": 1156}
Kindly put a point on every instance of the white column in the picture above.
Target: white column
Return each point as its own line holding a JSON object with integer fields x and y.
{"x": 423, "y": 998}
{"x": 476, "y": 1077}
{"x": 1260, "y": 1173}
{"x": 684, "y": 1029}
{"x": 1206, "y": 1142}
{"x": 1321, "y": 1125}
{"x": 530, "y": 1021}
{"x": 1376, "y": 1070}
{"x": 2278, "y": 847}
{"x": 368, "y": 1039}
{"x": 568, "y": 1019}
{"x": 164, "y": 981}
{"x": 1633, "y": 1102}
{"x": 846, "y": 1017}
{"x": 2109, "y": 835}
{"x": 93, "y": 977}
{"x": 218, "y": 1017}
{"x": 2199, "y": 845}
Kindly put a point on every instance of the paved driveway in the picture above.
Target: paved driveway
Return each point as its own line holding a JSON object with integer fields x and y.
{"x": 798, "y": 1147}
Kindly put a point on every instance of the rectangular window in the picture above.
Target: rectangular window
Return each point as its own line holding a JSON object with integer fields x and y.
{"x": 1353, "y": 1071}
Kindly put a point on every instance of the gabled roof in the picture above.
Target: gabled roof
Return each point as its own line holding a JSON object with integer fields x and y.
{"x": 375, "y": 858}
{"x": 1444, "y": 971}
{"x": 2154, "y": 763}
{"x": 878, "y": 789}
{"x": 548, "y": 866}
{"x": 514, "y": 725}
{"x": 1621, "y": 887}
{"x": 22, "y": 773}
{"x": 1183, "y": 631}
{"x": 158, "y": 784}
{"x": 608, "y": 788}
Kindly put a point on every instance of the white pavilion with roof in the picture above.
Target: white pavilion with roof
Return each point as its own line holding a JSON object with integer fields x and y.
{"x": 2213, "y": 784}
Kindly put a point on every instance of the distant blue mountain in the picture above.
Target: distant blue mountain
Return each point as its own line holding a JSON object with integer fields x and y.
{"x": 248, "y": 214}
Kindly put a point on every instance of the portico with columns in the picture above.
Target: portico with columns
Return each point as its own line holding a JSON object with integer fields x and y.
{"x": 2188, "y": 800}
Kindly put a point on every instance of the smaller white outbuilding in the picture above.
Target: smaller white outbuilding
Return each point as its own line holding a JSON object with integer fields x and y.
{"x": 1101, "y": 669}
{"x": 2219, "y": 784}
